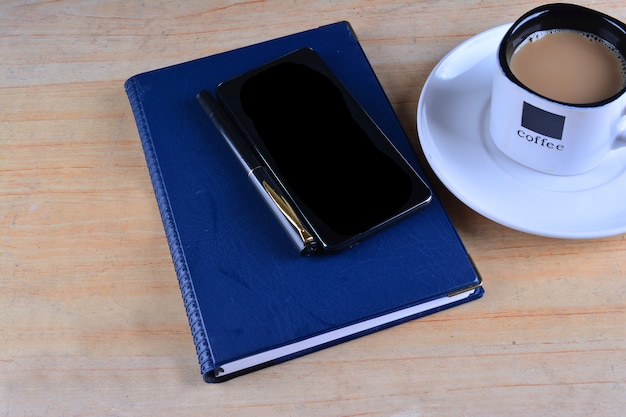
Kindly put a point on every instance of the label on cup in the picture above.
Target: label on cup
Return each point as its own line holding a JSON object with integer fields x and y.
{"x": 542, "y": 122}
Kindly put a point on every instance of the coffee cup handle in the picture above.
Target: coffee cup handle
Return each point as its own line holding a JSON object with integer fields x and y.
{"x": 620, "y": 139}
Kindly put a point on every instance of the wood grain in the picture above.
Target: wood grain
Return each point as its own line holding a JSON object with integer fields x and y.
{"x": 91, "y": 318}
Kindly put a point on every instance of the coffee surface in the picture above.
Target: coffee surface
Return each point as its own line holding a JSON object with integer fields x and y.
{"x": 569, "y": 66}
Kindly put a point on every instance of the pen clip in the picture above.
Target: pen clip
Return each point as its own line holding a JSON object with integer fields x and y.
{"x": 310, "y": 244}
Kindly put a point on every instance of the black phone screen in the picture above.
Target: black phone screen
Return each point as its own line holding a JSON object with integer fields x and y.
{"x": 336, "y": 164}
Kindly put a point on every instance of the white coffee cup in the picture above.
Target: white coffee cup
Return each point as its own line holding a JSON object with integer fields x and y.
{"x": 549, "y": 135}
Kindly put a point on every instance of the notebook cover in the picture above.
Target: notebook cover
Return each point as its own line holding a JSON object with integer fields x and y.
{"x": 244, "y": 286}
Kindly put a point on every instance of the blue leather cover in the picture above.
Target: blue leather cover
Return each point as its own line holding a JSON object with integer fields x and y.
{"x": 245, "y": 288}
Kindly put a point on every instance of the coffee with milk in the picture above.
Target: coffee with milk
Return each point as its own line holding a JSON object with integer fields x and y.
{"x": 569, "y": 66}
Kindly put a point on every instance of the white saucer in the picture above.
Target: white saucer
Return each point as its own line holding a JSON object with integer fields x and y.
{"x": 452, "y": 123}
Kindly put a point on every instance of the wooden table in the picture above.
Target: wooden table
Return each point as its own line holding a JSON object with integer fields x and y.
{"x": 91, "y": 318}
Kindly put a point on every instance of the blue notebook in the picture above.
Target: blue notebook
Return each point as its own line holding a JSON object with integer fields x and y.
{"x": 251, "y": 299}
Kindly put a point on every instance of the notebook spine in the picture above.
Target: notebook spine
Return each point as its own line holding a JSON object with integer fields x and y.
{"x": 196, "y": 324}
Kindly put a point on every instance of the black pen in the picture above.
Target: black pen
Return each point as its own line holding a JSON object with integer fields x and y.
{"x": 259, "y": 175}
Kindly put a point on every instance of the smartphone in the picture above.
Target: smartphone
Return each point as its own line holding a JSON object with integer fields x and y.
{"x": 340, "y": 173}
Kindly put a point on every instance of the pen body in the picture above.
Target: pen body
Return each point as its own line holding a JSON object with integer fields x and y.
{"x": 263, "y": 181}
